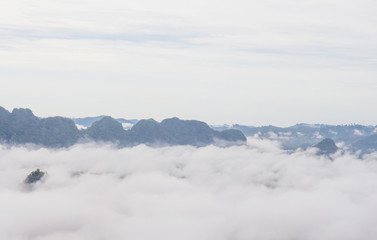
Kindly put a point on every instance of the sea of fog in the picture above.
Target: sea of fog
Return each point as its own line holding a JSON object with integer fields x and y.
{"x": 255, "y": 191}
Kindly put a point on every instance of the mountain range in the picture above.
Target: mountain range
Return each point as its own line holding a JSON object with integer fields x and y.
{"x": 352, "y": 137}
{"x": 21, "y": 126}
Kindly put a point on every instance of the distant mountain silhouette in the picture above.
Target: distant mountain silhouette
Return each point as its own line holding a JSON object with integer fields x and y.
{"x": 4, "y": 124}
{"x": 354, "y": 137}
{"x": 172, "y": 131}
{"x": 59, "y": 132}
{"x": 190, "y": 132}
{"x": 88, "y": 121}
{"x": 231, "y": 135}
{"x": 366, "y": 144}
{"x": 106, "y": 129}
{"x": 22, "y": 127}
{"x": 148, "y": 131}
{"x": 326, "y": 146}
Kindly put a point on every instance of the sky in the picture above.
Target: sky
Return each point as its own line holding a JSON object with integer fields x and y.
{"x": 248, "y": 62}
{"x": 254, "y": 191}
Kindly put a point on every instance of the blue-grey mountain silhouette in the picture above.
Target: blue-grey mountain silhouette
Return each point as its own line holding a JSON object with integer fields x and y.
{"x": 22, "y": 127}
{"x": 148, "y": 131}
{"x": 354, "y": 137}
{"x": 106, "y": 129}
{"x": 59, "y": 132}
{"x": 190, "y": 132}
{"x": 366, "y": 144}
{"x": 88, "y": 121}
{"x": 231, "y": 135}
{"x": 172, "y": 131}
{"x": 326, "y": 146}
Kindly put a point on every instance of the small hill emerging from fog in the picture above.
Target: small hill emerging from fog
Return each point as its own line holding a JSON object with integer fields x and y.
{"x": 34, "y": 177}
{"x": 326, "y": 146}
{"x": 21, "y": 127}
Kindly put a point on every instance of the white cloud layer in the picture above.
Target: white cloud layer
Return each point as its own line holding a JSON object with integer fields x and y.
{"x": 245, "y": 192}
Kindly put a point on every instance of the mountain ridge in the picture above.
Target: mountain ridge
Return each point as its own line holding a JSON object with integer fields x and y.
{"x": 21, "y": 126}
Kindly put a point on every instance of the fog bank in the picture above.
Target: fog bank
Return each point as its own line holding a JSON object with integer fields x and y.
{"x": 255, "y": 191}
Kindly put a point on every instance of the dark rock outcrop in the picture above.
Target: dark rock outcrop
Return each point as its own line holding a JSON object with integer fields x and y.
{"x": 34, "y": 177}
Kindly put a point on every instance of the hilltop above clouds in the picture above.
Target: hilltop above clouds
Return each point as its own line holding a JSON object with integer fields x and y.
{"x": 21, "y": 127}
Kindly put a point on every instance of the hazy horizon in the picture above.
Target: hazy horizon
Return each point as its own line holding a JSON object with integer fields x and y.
{"x": 209, "y": 123}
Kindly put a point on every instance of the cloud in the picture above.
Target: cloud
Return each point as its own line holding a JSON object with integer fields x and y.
{"x": 257, "y": 191}
{"x": 142, "y": 56}
{"x": 358, "y": 132}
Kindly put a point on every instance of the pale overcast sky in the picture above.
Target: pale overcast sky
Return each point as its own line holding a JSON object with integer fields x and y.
{"x": 249, "y": 62}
